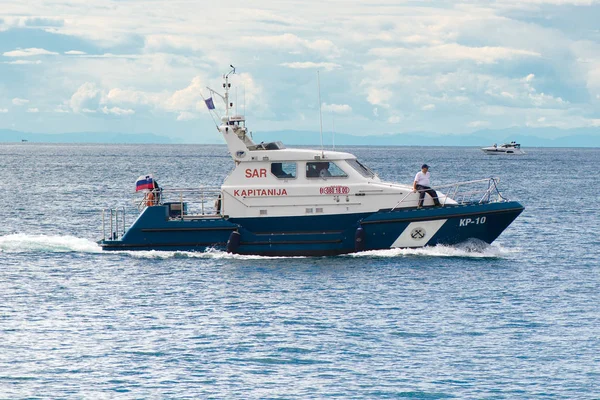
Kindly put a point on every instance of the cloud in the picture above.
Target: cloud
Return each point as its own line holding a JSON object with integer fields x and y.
{"x": 19, "y": 102}
{"x": 379, "y": 96}
{"x": 117, "y": 111}
{"x": 506, "y": 62}
{"x": 87, "y": 97}
{"x": 23, "y": 62}
{"x": 185, "y": 99}
{"x": 289, "y": 41}
{"x": 336, "y": 108}
{"x": 33, "y": 51}
{"x": 3, "y": 110}
{"x": 33, "y": 110}
{"x": 394, "y": 119}
{"x": 452, "y": 52}
{"x": 62, "y": 109}
{"x": 327, "y": 66}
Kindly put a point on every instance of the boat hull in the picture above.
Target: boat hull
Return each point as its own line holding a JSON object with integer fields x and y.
{"x": 319, "y": 235}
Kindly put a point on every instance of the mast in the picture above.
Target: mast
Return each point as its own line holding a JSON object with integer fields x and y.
{"x": 320, "y": 113}
{"x": 227, "y": 86}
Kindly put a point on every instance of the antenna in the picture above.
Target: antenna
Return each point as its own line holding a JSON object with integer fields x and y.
{"x": 320, "y": 113}
{"x": 333, "y": 129}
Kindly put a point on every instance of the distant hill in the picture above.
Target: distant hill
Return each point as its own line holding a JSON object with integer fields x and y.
{"x": 528, "y": 137}
{"x": 7, "y": 135}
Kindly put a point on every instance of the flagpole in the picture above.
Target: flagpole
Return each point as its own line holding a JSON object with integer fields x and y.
{"x": 320, "y": 113}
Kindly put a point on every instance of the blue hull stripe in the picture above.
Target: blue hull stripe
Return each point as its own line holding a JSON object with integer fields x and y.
{"x": 322, "y": 234}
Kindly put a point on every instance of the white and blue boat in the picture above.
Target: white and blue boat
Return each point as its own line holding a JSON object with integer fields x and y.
{"x": 280, "y": 201}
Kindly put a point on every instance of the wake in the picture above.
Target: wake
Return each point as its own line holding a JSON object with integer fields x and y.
{"x": 24, "y": 243}
{"x": 468, "y": 249}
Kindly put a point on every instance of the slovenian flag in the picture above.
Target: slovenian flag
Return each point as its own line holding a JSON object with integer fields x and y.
{"x": 144, "y": 182}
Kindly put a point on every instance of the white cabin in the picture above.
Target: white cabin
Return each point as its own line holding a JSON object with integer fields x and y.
{"x": 271, "y": 180}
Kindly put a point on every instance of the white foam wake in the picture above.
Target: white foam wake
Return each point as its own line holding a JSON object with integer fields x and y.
{"x": 471, "y": 249}
{"x": 209, "y": 254}
{"x": 22, "y": 243}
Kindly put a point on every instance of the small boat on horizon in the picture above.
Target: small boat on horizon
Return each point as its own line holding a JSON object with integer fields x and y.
{"x": 281, "y": 201}
{"x": 512, "y": 148}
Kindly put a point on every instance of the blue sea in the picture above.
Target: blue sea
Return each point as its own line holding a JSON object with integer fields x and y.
{"x": 519, "y": 319}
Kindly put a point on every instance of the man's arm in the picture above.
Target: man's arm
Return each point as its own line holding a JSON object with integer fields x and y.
{"x": 415, "y": 183}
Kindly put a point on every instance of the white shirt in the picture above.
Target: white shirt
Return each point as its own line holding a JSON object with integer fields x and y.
{"x": 422, "y": 178}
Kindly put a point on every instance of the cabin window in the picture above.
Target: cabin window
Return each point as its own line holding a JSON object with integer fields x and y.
{"x": 324, "y": 169}
{"x": 284, "y": 170}
{"x": 360, "y": 168}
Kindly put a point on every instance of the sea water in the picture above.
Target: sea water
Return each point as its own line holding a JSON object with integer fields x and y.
{"x": 517, "y": 319}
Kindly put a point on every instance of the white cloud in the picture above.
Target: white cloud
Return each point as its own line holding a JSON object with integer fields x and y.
{"x": 19, "y": 102}
{"x": 327, "y": 66}
{"x": 117, "y": 111}
{"x": 62, "y": 109}
{"x": 336, "y": 108}
{"x": 289, "y": 41}
{"x": 23, "y": 62}
{"x": 3, "y": 110}
{"x": 33, "y": 51}
{"x": 33, "y": 110}
{"x": 452, "y": 52}
{"x": 185, "y": 99}
{"x": 87, "y": 97}
{"x": 394, "y": 119}
{"x": 379, "y": 96}
{"x": 459, "y": 57}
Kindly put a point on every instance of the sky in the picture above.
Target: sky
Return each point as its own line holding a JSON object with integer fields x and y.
{"x": 385, "y": 67}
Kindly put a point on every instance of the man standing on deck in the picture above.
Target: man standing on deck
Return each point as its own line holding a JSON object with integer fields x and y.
{"x": 422, "y": 185}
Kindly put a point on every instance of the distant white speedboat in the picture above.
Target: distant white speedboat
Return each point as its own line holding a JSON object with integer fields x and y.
{"x": 506, "y": 148}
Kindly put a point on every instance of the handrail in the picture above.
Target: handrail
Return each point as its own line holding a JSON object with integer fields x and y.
{"x": 466, "y": 196}
{"x": 113, "y": 214}
{"x": 201, "y": 197}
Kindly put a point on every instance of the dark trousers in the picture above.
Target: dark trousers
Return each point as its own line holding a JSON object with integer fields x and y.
{"x": 426, "y": 189}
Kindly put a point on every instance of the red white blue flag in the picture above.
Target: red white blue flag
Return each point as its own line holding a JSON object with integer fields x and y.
{"x": 144, "y": 182}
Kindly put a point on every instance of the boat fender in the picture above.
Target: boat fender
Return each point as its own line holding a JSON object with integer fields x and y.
{"x": 234, "y": 242}
{"x": 359, "y": 239}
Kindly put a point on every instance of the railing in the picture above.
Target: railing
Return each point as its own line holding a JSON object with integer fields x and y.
{"x": 188, "y": 201}
{"x": 110, "y": 219}
{"x": 479, "y": 191}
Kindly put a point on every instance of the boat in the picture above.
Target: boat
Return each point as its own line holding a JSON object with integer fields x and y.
{"x": 281, "y": 201}
{"x": 506, "y": 148}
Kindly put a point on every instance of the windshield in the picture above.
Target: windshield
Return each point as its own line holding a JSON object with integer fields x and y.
{"x": 361, "y": 169}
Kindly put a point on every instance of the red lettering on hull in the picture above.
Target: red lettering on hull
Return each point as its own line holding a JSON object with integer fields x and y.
{"x": 255, "y": 173}
{"x": 259, "y": 192}
{"x": 334, "y": 190}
